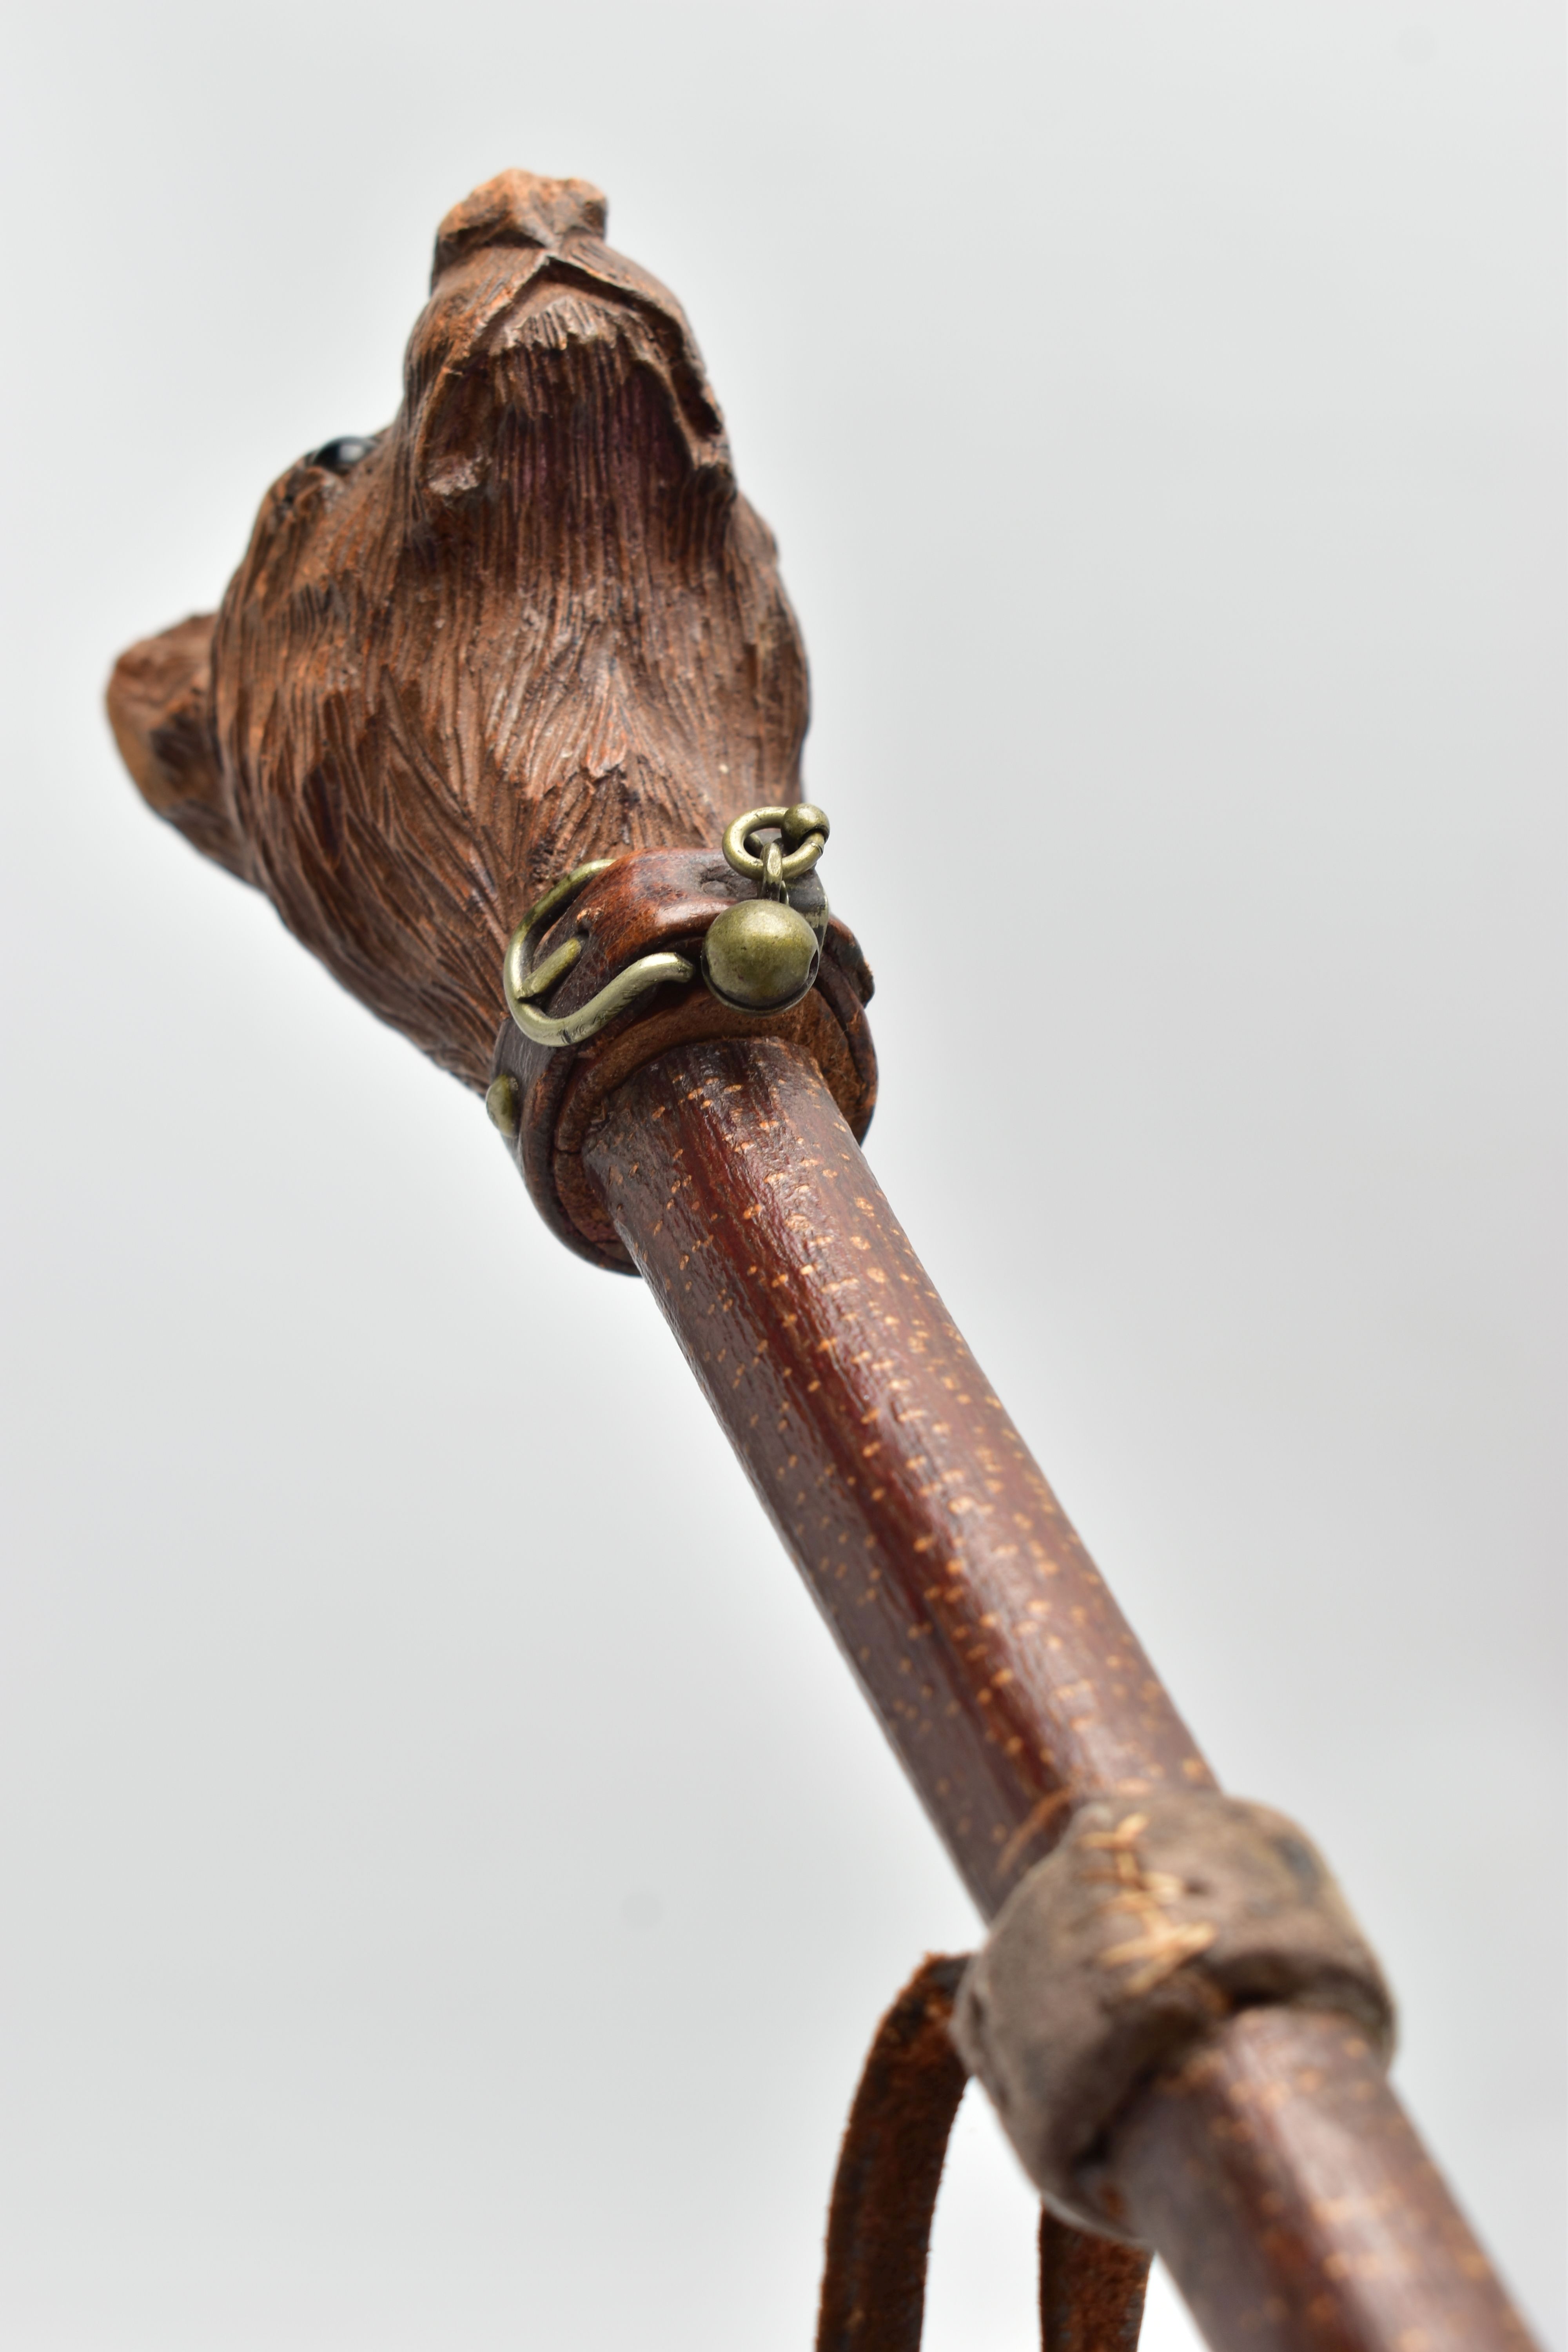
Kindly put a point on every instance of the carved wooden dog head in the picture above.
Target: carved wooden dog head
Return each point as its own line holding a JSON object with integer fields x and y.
{"x": 530, "y": 622}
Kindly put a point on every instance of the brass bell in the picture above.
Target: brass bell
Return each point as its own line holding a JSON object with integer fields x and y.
{"x": 760, "y": 956}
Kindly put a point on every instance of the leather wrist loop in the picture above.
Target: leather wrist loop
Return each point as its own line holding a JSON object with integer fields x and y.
{"x": 649, "y": 901}
{"x": 1154, "y": 1920}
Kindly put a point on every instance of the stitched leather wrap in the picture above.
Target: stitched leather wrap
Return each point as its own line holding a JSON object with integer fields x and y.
{"x": 1154, "y": 1920}
{"x": 654, "y": 900}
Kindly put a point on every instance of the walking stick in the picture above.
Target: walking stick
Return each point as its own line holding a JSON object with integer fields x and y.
{"x": 503, "y": 709}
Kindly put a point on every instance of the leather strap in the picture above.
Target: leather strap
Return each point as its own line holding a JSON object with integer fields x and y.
{"x": 885, "y": 2191}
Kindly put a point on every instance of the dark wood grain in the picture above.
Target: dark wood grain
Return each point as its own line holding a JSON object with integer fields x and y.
{"x": 1275, "y": 2172}
{"x": 1279, "y": 2176}
{"x": 534, "y": 622}
{"x": 1008, "y": 1680}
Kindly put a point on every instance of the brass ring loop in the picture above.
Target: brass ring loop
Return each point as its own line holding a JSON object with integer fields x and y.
{"x": 803, "y": 822}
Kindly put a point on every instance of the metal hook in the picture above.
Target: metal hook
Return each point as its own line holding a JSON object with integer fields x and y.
{"x": 522, "y": 983}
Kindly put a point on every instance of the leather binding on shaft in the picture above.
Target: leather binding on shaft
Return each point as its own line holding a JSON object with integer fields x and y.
{"x": 650, "y": 900}
{"x": 1154, "y": 1921}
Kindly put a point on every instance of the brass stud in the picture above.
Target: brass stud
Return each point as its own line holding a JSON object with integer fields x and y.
{"x": 504, "y": 1104}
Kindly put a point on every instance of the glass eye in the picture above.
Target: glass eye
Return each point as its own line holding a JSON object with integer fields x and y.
{"x": 341, "y": 455}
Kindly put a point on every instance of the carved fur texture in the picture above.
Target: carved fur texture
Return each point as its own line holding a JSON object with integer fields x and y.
{"x": 530, "y": 622}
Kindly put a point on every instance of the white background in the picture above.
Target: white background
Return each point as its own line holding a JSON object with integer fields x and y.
{"x": 448, "y": 1878}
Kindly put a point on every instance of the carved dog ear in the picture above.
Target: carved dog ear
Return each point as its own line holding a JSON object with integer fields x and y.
{"x": 159, "y": 705}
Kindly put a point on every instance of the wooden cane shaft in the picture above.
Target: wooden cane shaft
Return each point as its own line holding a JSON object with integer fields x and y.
{"x": 402, "y": 727}
{"x": 1280, "y": 2178}
{"x": 1006, "y": 1678}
